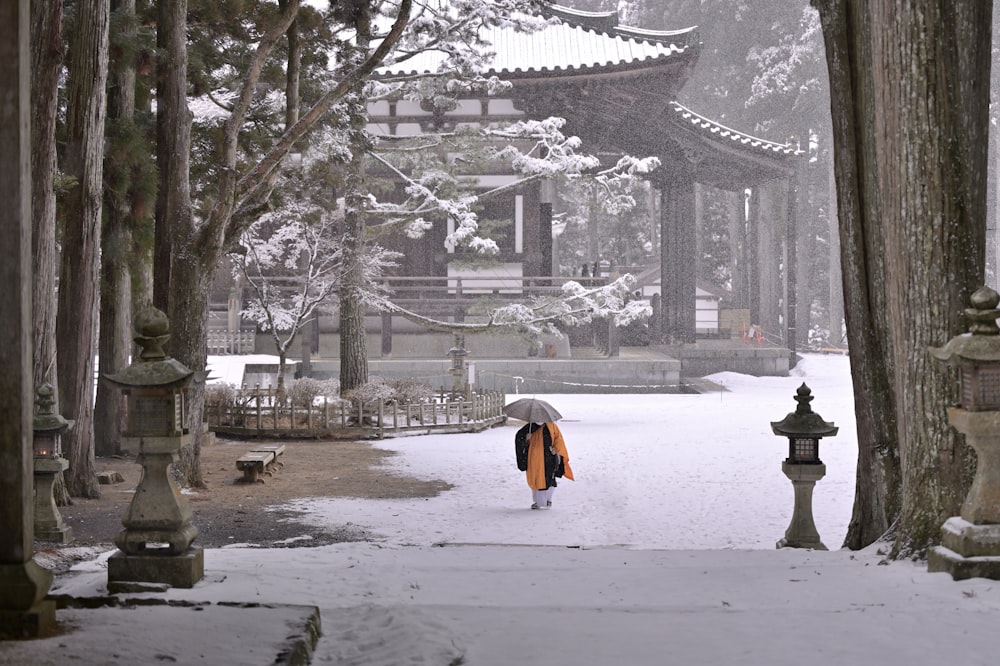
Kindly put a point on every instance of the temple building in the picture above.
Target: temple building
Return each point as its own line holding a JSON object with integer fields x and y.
{"x": 616, "y": 86}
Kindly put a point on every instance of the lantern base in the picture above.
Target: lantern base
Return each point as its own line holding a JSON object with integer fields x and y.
{"x": 183, "y": 570}
{"x": 799, "y": 543}
{"x": 38, "y": 621}
{"x": 24, "y": 610}
{"x": 63, "y": 535}
{"x": 801, "y": 532}
{"x": 967, "y": 550}
{"x": 49, "y": 525}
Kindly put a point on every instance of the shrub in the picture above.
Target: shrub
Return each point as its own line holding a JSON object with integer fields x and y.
{"x": 306, "y": 390}
{"x": 221, "y": 394}
{"x": 375, "y": 391}
{"x": 410, "y": 391}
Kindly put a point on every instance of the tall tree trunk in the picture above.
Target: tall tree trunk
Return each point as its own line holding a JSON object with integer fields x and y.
{"x": 835, "y": 307}
{"x": 911, "y": 170}
{"x": 78, "y": 277}
{"x": 116, "y": 243}
{"x": 292, "y": 70}
{"x": 353, "y": 343}
{"x": 46, "y": 61}
{"x": 876, "y": 493}
{"x": 173, "y": 146}
{"x": 189, "y": 286}
{"x": 933, "y": 164}
{"x": 181, "y": 277}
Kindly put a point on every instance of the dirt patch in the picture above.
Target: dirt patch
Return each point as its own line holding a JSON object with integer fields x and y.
{"x": 227, "y": 511}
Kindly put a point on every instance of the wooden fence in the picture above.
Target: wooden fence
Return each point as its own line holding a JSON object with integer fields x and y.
{"x": 222, "y": 341}
{"x": 257, "y": 412}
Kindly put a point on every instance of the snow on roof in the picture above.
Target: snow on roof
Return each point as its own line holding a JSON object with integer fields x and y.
{"x": 717, "y": 132}
{"x": 578, "y": 41}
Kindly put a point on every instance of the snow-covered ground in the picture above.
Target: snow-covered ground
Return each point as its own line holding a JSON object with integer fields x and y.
{"x": 661, "y": 552}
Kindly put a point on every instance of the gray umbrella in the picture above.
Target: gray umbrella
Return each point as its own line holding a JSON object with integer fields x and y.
{"x": 532, "y": 410}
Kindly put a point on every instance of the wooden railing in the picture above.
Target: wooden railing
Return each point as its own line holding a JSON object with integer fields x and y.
{"x": 257, "y": 412}
{"x": 514, "y": 286}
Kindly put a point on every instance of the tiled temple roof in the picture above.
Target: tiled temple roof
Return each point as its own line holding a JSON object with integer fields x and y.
{"x": 580, "y": 42}
{"x": 713, "y": 130}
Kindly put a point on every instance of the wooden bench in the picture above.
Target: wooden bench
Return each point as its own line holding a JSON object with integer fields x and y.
{"x": 276, "y": 449}
{"x": 253, "y": 464}
{"x": 262, "y": 459}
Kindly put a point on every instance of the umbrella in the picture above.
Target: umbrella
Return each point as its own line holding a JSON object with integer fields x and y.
{"x": 532, "y": 410}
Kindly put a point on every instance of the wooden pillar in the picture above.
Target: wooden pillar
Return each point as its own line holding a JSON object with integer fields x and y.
{"x": 24, "y": 612}
{"x": 546, "y": 193}
{"x": 386, "y": 335}
{"x": 791, "y": 268}
{"x": 770, "y": 256}
{"x": 753, "y": 263}
{"x": 737, "y": 248}
{"x": 656, "y": 320}
{"x": 678, "y": 263}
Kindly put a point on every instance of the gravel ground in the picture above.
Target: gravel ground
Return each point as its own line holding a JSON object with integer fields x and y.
{"x": 229, "y": 511}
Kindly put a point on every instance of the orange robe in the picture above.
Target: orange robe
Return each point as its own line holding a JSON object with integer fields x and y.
{"x": 536, "y": 456}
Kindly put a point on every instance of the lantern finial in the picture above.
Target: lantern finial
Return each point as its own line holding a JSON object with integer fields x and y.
{"x": 803, "y": 396}
{"x": 983, "y": 314}
{"x": 46, "y": 417}
{"x": 152, "y": 331}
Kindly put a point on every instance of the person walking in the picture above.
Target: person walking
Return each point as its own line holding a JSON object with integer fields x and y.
{"x": 541, "y": 453}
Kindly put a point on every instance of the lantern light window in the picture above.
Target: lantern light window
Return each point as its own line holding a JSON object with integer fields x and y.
{"x": 803, "y": 450}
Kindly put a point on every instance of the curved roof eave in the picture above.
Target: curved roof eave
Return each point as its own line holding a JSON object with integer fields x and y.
{"x": 718, "y": 133}
{"x": 635, "y": 68}
{"x": 607, "y": 21}
{"x": 569, "y": 45}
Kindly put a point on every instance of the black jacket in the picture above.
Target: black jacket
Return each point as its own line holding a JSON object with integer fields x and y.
{"x": 553, "y": 462}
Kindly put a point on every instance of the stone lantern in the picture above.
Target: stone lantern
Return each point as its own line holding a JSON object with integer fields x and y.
{"x": 803, "y": 428}
{"x": 48, "y": 427}
{"x": 457, "y": 370}
{"x": 155, "y": 544}
{"x": 970, "y": 542}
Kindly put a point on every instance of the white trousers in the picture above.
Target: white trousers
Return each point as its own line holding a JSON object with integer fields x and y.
{"x": 542, "y": 497}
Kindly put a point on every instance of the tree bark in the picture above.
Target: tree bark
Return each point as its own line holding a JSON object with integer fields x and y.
{"x": 78, "y": 278}
{"x": 353, "y": 342}
{"x": 846, "y": 36}
{"x": 835, "y": 306}
{"x": 173, "y": 146}
{"x": 292, "y": 71}
{"x": 116, "y": 243}
{"x": 46, "y": 61}
{"x": 910, "y": 165}
{"x": 933, "y": 165}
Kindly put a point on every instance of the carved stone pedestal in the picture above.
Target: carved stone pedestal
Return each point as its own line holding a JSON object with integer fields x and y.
{"x": 155, "y": 546}
{"x": 970, "y": 543}
{"x": 801, "y": 532}
{"x": 967, "y": 550}
{"x": 156, "y": 572}
{"x": 49, "y": 524}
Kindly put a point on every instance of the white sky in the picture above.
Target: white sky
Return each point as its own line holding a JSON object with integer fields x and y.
{"x": 661, "y": 552}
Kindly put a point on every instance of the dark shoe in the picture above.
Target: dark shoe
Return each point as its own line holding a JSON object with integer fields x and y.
{"x": 548, "y": 505}
{"x": 534, "y": 506}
